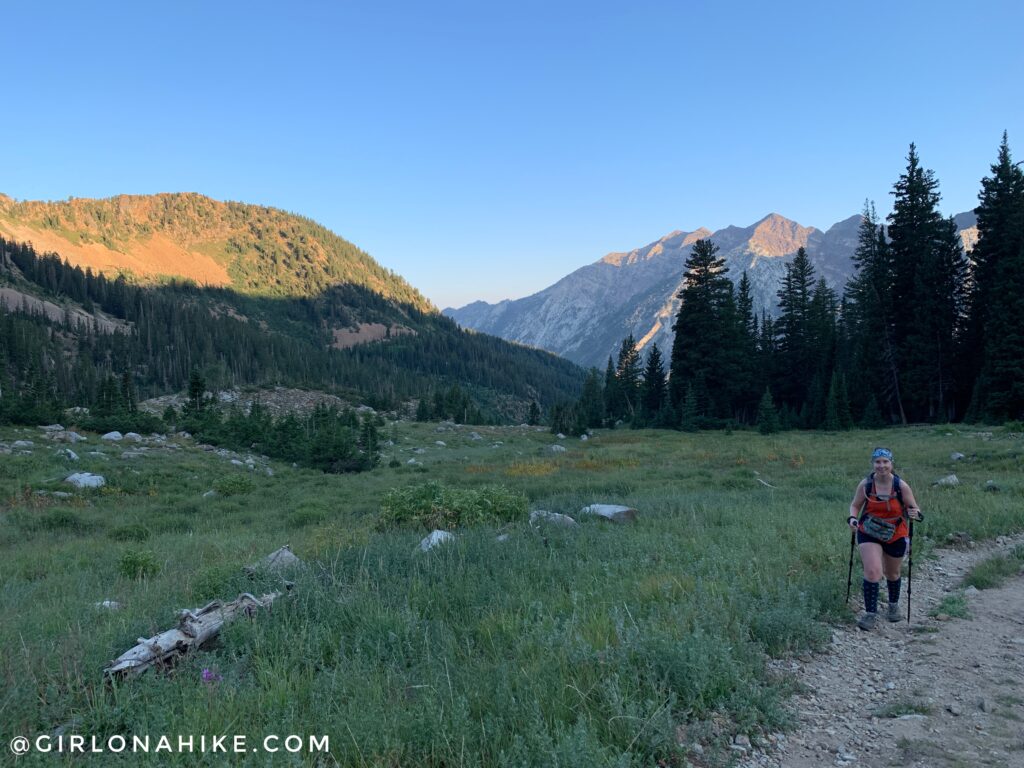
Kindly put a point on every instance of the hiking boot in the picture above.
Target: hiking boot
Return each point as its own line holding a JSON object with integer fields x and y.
{"x": 867, "y": 620}
{"x": 894, "y": 613}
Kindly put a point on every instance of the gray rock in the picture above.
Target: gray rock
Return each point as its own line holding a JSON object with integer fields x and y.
{"x": 85, "y": 480}
{"x": 210, "y": 494}
{"x": 238, "y": 463}
{"x": 503, "y": 538}
{"x": 68, "y": 454}
{"x": 414, "y": 463}
{"x": 987, "y": 705}
{"x": 554, "y": 518}
{"x": 558, "y": 449}
{"x": 435, "y": 538}
{"x": 475, "y": 436}
{"x": 560, "y": 436}
{"x": 53, "y": 428}
{"x": 22, "y": 444}
{"x": 614, "y": 512}
{"x": 954, "y": 709}
{"x": 947, "y": 480}
{"x": 956, "y": 456}
{"x": 110, "y": 605}
{"x": 584, "y": 437}
{"x": 135, "y": 437}
{"x": 132, "y": 454}
{"x": 991, "y": 487}
{"x": 440, "y": 443}
{"x": 971, "y": 590}
{"x": 62, "y": 495}
{"x": 115, "y": 436}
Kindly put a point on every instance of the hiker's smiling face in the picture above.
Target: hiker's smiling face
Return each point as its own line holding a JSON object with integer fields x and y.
{"x": 883, "y": 466}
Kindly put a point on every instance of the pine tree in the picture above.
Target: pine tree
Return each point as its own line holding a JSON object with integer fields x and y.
{"x": 627, "y": 374}
{"x": 705, "y": 344}
{"x": 995, "y": 341}
{"x": 533, "y": 416}
{"x": 767, "y": 416}
{"x": 655, "y": 388}
{"x": 611, "y": 393}
{"x": 689, "y": 417}
{"x": 591, "y": 404}
{"x": 794, "y": 331}
{"x": 928, "y": 275}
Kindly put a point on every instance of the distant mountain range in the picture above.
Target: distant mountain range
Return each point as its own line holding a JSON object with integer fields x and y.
{"x": 587, "y": 314}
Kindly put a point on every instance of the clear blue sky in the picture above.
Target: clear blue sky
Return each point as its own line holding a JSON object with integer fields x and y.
{"x": 483, "y": 150}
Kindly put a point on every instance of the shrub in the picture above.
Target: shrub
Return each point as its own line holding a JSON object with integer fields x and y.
{"x": 233, "y": 485}
{"x": 432, "y": 506}
{"x": 133, "y": 532}
{"x": 138, "y": 564}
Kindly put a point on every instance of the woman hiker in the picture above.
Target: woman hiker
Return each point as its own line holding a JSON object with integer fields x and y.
{"x": 879, "y": 513}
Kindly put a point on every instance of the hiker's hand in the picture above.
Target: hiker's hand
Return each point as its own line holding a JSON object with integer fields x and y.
{"x": 851, "y": 521}
{"x": 915, "y": 514}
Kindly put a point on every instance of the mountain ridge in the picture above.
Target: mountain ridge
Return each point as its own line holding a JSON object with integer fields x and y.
{"x": 253, "y": 249}
{"x": 585, "y": 315}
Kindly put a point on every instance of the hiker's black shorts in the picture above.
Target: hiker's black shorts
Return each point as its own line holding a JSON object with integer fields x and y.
{"x": 897, "y": 548}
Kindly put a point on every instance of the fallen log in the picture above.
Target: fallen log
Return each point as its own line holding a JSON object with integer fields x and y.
{"x": 194, "y": 628}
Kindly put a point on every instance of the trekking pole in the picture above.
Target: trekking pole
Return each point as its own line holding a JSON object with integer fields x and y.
{"x": 910, "y": 559}
{"x": 910, "y": 568}
{"x": 849, "y": 573}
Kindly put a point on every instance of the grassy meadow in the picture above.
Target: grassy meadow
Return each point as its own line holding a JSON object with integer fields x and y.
{"x": 600, "y": 645}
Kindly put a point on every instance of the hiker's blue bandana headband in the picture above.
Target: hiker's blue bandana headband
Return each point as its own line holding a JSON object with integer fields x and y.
{"x": 881, "y": 453}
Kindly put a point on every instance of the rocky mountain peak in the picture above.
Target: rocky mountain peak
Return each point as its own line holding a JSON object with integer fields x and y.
{"x": 775, "y": 235}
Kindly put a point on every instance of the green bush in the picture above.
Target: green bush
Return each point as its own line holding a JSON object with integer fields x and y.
{"x": 995, "y": 570}
{"x": 141, "y": 422}
{"x": 133, "y": 532}
{"x": 50, "y": 520}
{"x": 432, "y": 506}
{"x": 233, "y": 485}
{"x": 138, "y": 564}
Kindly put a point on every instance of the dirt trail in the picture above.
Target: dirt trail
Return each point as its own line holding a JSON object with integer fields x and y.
{"x": 966, "y": 674}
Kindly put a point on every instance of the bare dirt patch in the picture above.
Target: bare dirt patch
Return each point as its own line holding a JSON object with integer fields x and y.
{"x": 150, "y": 257}
{"x": 934, "y": 694}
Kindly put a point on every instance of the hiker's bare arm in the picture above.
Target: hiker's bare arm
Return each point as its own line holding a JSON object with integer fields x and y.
{"x": 858, "y": 501}
{"x": 913, "y": 510}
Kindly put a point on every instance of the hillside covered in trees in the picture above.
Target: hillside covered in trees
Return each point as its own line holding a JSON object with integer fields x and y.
{"x": 66, "y": 331}
{"x": 254, "y": 249}
{"x": 923, "y": 331}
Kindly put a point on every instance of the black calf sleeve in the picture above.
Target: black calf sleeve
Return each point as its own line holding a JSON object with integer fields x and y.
{"x": 894, "y": 590}
{"x": 870, "y": 596}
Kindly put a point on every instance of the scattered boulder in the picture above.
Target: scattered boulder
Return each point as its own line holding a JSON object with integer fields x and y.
{"x": 475, "y": 436}
{"x": 991, "y": 487}
{"x": 558, "y": 448}
{"x": 419, "y": 450}
{"x": 210, "y": 494}
{"x": 584, "y": 437}
{"x": 110, "y": 605}
{"x": 61, "y": 495}
{"x": 86, "y": 480}
{"x": 114, "y": 436}
{"x": 954, "y": 709}
{"x": 66, "y": 436}
{"x": 503, "y": 538}
{"x": 52, "y": 428}
{"x": 279, "y": 560}
{"x": 560, "y": 436}
{"x": 614, "y": 512}
{"x": 543, "y": 516}
{"x": 68, "y": 454}
{"x": 22, "y": 444}
{"x": 435, "y": 538}
{"x": 414, "y": 463}
{"x": 947, "y": 480}
{"x": 135, "y": 437}
{"x": 959, "y": 538}
{"x": 440, "y": 443}
{"x": 132, "y": 454}
{"x": 238, "y": 463}
{"x": 956, "y": 456}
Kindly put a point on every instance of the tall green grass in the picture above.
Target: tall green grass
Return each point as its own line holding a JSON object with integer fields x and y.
{"x": 585, "y": 646}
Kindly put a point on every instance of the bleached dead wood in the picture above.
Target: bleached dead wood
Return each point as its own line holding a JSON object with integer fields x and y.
{"x": 194, "y": 628}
